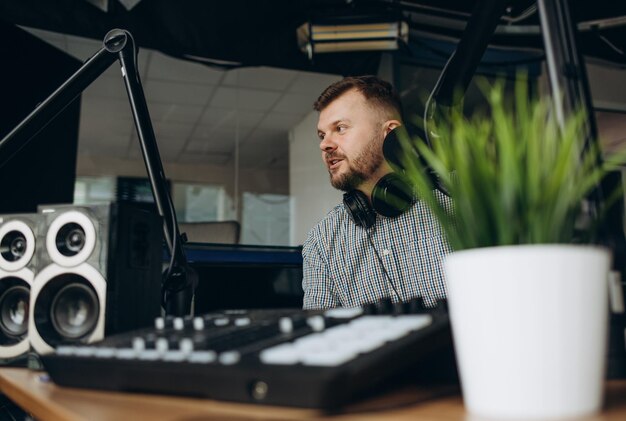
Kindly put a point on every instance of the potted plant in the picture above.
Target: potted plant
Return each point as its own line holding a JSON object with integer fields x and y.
{"x": 528, "y": 307}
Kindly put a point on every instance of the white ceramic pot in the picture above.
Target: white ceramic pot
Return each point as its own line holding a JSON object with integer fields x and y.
{"x": 530, "y": 329}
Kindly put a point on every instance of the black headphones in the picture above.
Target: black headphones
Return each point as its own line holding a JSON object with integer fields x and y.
{"x": 392, "y": 195}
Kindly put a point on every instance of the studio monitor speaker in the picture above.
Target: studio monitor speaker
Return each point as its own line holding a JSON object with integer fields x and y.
{"x": 98, "y": 273}
{"x": 17, "y": 271}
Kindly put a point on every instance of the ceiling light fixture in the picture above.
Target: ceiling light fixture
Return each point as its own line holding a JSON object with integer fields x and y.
{"x": 315, "y": 38}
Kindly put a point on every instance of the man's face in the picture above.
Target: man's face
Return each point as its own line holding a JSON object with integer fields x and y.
{"x": 351, "y": 135}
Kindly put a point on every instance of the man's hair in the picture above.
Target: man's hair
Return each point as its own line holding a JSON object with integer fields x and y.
{"x": 377, "y": 92}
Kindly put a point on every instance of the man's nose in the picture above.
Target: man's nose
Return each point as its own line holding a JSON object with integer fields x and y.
{"x": 327, "y": 144}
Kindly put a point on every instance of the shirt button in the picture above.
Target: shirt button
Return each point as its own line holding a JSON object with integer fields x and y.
{"x": 386, "y": 252}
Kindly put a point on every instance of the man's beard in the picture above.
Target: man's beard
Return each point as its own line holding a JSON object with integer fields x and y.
{"x": 360, "y": 169}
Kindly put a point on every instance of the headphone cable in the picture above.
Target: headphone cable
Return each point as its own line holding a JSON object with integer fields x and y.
{"x": 380, "y": 260}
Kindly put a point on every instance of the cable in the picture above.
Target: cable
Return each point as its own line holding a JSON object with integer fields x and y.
{"x": 610, "y": 44}
{"x": 380, "y": 260}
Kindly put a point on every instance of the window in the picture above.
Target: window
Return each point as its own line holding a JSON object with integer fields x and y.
{"x": 265, "y": 219}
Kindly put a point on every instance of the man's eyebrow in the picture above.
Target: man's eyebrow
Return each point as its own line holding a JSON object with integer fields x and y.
{"x": 334, "y": 123}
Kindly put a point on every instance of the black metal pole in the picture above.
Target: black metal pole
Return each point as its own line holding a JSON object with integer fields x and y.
{"x": 569, "y": 86}
{"x": 182, "y": 278}
{"x": 566, "y": 70}
{"x": 570, "y": 89}
{"x": 145, "y": 132}
{"x": 462, "y": 64}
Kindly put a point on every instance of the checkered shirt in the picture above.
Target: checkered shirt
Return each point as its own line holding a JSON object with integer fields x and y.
{"x": 341, "y": 267}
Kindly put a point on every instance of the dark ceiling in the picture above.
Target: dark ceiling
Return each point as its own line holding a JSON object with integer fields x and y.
{"x": 262, "y": 32}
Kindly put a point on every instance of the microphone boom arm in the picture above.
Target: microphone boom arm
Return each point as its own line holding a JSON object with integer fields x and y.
{"x": 117, "y": 44}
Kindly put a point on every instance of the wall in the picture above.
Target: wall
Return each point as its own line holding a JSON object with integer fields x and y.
{"x": 311, "y": 193}
{"x": 608, "y": 87}
{"x": 255, "y": 181}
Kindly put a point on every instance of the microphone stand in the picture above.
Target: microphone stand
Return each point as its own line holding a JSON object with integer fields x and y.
{"x": 180, "y": 280}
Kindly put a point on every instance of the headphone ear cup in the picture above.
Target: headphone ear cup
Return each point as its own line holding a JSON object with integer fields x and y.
{"x": 394, "y": 153}
{"x": 392, "y": 195}
{"x": 359, "y": 209}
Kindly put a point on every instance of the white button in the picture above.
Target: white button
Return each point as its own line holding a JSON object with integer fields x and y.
{"x": 229, "y": 357}
{"x": 178, "y": 323}
{"x": 242, "y": 321}
{"x": 221, "y": 322}
{"x": 344, "y": 312}
{"x": 202, "y": 357}
{"x": 162, "y": 345}
{"x": 282, "y": 354}
{"x": 139, "y": 344}
{"x": 285, "y": 324}
{"x": 149, "y": 355}
{"x": 386, "y": 252}
{"x": 414, "y": 321}
{"x": 186, "y": 345}
{"x": 85, "y": 351}
{"x": 105, "y": 352}
{"x": 159, "y": 323}
{"x": 198, "y": 323}
{"x": 66, "y": 350}
{"x": 125, "y": 353}
{"x": 316, "y": 323}
{"x": 328, "y": 358}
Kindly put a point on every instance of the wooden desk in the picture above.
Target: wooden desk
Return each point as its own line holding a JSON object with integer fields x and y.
{"x": 48, "y": 402}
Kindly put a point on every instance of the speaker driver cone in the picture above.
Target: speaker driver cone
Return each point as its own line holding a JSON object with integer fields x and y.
{"x": 66, "y": 307}
{"x": 74, "y": 311}
{"x": 14, "y": 312}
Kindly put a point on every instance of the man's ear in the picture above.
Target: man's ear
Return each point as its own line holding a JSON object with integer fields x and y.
{"x": 390, "y": 125}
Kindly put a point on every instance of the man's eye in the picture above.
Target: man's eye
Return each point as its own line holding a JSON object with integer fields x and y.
{"x": 341, "y": 129}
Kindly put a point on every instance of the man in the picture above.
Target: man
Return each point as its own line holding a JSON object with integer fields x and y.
{"x": 397, "y": 257}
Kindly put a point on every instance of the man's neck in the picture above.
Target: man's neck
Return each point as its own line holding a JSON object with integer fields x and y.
{"x": 368, "y": 185}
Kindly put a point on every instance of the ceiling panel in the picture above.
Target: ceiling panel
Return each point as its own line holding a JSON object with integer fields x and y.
{"x": 230, "y": 117}
{"x": 169, "y": 148}
{"x": 266, "y": 136}
{"x": 91, "y": 129}
{"x": 212, "y": 137}
{"x": 262, "y": 155}
{"x": 299, "y": 104}
{"x": 163, "y": 67}
{"x": 107, "y": 87}
{"x": 112, "y": 145}
{"x": 105, "y": 109}
{"x": 278, "y": 121}
{"x": 180, "y": 113}
{"x": 177, "y": 93}
{"x": 260, "y": 78}
{"x": 244, "y": 99}
{"x": 174, "y": 130}
{"x": 215, "y": 158}
{"x": 312, "y": 84}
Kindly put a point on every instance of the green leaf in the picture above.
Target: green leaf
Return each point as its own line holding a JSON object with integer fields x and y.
{"x": 514, "y": 175}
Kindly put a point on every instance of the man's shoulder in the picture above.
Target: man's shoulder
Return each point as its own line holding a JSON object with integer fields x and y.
{"x": 333, "y": 219}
